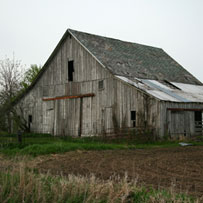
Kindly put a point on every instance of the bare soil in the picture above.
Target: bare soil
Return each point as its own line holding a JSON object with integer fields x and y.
{"x": 179, "y": 168}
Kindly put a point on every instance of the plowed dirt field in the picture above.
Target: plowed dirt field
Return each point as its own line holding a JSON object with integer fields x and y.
{"x": 180, "y": 168}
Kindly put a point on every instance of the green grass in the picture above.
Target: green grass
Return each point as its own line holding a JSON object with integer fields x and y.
{"x": 26, "y": 186}
{"x": 58, "y": 147}
{"x": 39, "y": 144}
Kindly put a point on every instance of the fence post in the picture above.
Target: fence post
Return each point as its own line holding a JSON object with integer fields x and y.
{"x": 19, "y": 137}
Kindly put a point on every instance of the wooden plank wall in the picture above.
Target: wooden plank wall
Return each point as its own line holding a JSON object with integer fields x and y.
{"x": 110, "y": 107}
{"x": 62, "y": 117}
{"x": 127, "y": 98}
{"x": 178, "y": 123}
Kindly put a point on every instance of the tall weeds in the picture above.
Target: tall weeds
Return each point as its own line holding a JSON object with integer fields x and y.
{"x": 27, "y": 186}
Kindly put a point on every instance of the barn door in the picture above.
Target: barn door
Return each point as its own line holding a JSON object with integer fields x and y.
{"x": 72, "y": 117}
{"x": 48, "y": 119}
{"x": 85, "y": 116}
{"x": 179, "y": 123}
{"x": 108, "y": 120}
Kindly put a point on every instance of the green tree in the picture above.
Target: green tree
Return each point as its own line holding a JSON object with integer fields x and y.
{"x": 14, "y": 80}
{"x": 30, "y": 76}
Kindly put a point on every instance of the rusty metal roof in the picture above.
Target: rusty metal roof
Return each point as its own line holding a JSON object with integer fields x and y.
{"x": 134, "y": 60}
{"x": 174, "y": 91}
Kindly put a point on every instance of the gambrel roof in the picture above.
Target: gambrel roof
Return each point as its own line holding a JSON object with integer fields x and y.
{"x": 134, "y": 60}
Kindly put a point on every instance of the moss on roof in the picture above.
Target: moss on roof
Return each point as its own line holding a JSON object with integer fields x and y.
{"x": 134, "y": 60}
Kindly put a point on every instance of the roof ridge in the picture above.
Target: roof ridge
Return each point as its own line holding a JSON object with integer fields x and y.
{"x": 133, "y": 59}
{"x": 111, "y": 38}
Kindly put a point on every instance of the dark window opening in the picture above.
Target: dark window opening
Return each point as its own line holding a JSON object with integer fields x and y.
{"x": 134, "y": 124}
{"x": 198, "y": 121}
{"x": 29, "y": 122}
{"x": 70, "y": 70}
{"x": 101, "y": 85}
{"x": 133, "y": 118}
{"x": 198, "y": 116}
{"x": 30, "y": 118}
{"x": 133, "y": 115}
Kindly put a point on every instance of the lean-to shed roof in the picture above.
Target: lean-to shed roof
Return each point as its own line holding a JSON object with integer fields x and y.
{"x": 168, "y": 91}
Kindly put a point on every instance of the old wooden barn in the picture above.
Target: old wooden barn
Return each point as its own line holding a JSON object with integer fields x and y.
{"x": 92, "y": 85}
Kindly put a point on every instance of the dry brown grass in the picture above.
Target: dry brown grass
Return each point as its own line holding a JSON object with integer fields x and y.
{"x": 20, "y": 184}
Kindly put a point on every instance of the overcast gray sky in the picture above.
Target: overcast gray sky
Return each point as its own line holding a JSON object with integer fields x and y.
{"x": 32, "y": 28}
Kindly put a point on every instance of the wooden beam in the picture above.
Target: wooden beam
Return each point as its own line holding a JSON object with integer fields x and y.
{"x": 69, "y": 97}
{"x": 183, "y": 109}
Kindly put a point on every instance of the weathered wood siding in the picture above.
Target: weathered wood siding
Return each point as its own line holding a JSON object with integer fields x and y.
{"x": 127, "y": 98}
{"x": 62, "y": 116}
{"x": 110, "y": 108}
{"x": 178, "y": 123}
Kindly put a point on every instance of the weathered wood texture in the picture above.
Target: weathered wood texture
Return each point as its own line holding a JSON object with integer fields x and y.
{"x": 127, "y": 98}
{"x": 110, "y": 107}
{"x": 62, "y": 116}
{"x": 176, "y": 122}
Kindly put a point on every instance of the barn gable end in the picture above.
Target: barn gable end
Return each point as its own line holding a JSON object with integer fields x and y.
{"x": 92, "y": 85}
{"x": 62, "y": 116}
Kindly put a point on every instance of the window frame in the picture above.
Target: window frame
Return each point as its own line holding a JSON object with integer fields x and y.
{"x": 101, "y": 87}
